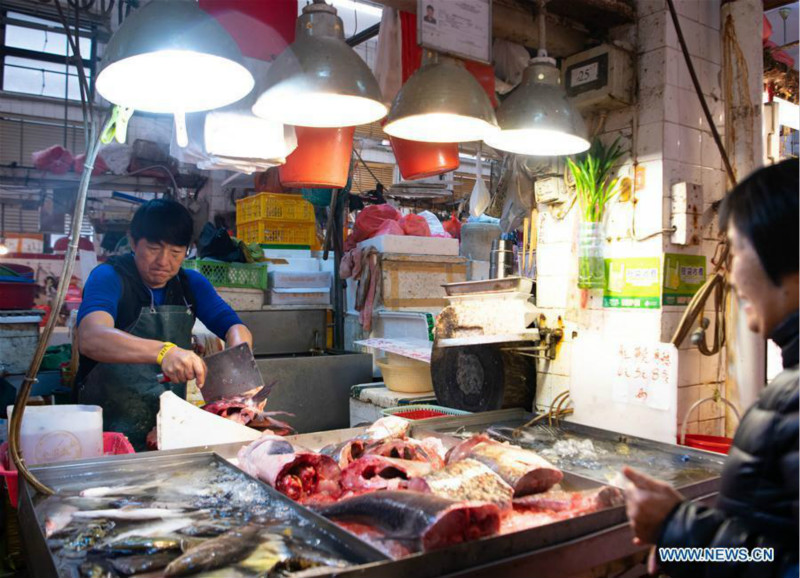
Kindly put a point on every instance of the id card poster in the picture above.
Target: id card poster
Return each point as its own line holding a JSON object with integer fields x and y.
{"x": 462, "y": 28}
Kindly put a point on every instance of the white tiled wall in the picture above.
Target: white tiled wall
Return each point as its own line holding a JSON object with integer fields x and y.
{"x": 673, "y": 143}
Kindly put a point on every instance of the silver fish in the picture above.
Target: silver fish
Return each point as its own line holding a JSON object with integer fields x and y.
{"x": 160, "y": 528}
{"x": 130, "y": 513}
{"x": 57, "y": 516}
{"x": 215, "y": 553}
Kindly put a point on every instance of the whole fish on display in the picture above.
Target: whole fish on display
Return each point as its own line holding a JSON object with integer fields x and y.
{"x": 219, "y": 552}
{"x": 425, "y": 521}
{"x": 524, "y": 470}
{"x": 374, "y": 472}
{"x": 301, "y": 475}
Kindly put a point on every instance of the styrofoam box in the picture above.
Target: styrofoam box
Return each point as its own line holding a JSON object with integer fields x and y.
{"x": 242, "y": 299}
{"x": 299, "y": 296}
{"x": 298, "y": 279}
{"x": 412, "y": 245}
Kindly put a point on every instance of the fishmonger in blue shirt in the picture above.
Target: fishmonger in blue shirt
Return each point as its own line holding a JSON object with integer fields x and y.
{"x": 136, "y": 321}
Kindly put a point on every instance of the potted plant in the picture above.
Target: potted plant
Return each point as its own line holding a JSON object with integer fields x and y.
{"x": 596, "y": 186}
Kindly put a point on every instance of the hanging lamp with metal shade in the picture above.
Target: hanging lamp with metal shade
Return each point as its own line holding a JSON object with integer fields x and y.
{"x": 441, "y": 102}
{"x": 170, "y": 56}
{"x": 320, "y": 81}
{"x": 537, "y": 118}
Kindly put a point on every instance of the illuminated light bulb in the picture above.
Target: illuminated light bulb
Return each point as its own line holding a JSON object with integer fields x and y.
{"x": 320, "y": 81}
{"x": 170, "y": 56}
{"x": 441, "y": 102}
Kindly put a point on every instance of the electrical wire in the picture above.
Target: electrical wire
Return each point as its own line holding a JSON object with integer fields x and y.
{"x": 366, "y": 166}
{"x": 699, "y": 90}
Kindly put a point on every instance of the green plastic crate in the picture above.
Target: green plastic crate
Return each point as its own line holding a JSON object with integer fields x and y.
{"x": 238, "y": 275}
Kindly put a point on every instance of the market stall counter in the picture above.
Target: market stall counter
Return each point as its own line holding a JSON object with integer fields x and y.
{"x": 190, "y": 512}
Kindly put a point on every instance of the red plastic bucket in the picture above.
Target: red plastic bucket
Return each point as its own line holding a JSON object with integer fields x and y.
{"x": 114, "y": 444}
{"x": 718, "y": 444}
{"x": 419, "y": 160}
{"x": 321, "y": 159}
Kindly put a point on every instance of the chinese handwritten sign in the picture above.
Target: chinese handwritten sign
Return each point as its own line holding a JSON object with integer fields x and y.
{"x": 645, "y": 374}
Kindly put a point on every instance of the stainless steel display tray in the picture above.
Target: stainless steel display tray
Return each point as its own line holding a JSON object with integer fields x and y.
{"x": 112, "y": 471}
{"x": 642, "y": 449}
{"x": 504, "y": 285}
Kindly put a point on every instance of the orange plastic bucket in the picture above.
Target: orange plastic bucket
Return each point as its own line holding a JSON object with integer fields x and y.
{"x": 419, "y": 160}
{"x": 718, "y": 444}
{"x": 321, "y": 159}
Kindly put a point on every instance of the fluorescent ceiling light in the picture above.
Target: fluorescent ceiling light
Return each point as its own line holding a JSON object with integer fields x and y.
{"x": 319, "y": 80}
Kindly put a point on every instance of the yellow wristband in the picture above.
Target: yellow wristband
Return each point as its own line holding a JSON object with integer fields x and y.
{"x": 164, "y": 349}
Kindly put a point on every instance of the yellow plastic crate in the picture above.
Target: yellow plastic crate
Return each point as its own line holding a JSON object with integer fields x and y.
{"x": 270, "y": 232}
{"x": 274, "y": 206}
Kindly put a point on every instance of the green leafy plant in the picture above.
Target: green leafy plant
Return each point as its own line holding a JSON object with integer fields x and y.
{"x": 593, "y": 178}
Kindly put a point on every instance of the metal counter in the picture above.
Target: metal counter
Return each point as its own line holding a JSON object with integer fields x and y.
{"x": 315, "y": 388}
{"x": 561, "y": 548}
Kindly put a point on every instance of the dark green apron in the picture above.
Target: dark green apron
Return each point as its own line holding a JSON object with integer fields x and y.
{"x": 129, "y": 393}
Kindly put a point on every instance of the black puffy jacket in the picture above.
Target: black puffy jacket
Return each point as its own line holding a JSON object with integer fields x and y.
{"x": 758, "y": 499}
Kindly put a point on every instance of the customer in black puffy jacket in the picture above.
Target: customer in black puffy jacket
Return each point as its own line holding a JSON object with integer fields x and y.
{"x": 758, "y": 499}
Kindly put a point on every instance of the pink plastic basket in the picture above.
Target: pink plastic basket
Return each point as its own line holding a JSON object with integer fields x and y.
{"x": 114, "y": 444}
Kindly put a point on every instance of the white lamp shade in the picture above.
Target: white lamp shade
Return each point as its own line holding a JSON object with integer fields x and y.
{"x": 319, "y": 81}
{"x": 441, "y": 102}
{"x": 170, "y": 56}
{"x": 537, "y": 118}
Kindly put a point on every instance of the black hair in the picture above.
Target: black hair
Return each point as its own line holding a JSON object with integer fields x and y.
{"x": 162, "y": 220}
{"x": 429, "y": 7}
{"x": 764, "y": 209}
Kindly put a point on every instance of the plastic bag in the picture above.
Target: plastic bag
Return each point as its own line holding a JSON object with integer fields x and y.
{"x": 389, "y": 228}
{"x": 480, "y": 199}
{"x": 415, "y": 225}
{"x": 55, "y": 159}
{"x": 100, "y": 166}
{"x": 453, "y": 227}
{"x": 519, "y": 199}
{"x": 370, "y": 220}
{"x": 434, "y": 224}
{"x": 510, "y": 61}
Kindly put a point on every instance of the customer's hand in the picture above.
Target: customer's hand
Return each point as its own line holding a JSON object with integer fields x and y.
{"x": 648, "y": 503}
{"x": 181, "y": 365}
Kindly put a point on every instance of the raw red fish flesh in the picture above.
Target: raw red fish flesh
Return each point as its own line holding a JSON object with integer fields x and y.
{"x": 555, "y": 505}
{"x": 383, "y": 430}
{"x": 523, "y": 470}
{"x": 373, "y": 472}
{"x": 560, "y": 501}
{"x": 423, "y": 521}
{"x": 300, "y": 474}
{"x": 470, "y": 480}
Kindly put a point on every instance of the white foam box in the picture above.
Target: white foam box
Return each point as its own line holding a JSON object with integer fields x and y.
{"x": 299, "y": 296}
{"x": 242, "y": 299}
{"x": 412, "y": 245}
{"x": 298, "y": 279}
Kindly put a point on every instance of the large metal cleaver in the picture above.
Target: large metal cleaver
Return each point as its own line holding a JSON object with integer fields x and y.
{"x": 230, "y": 373}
